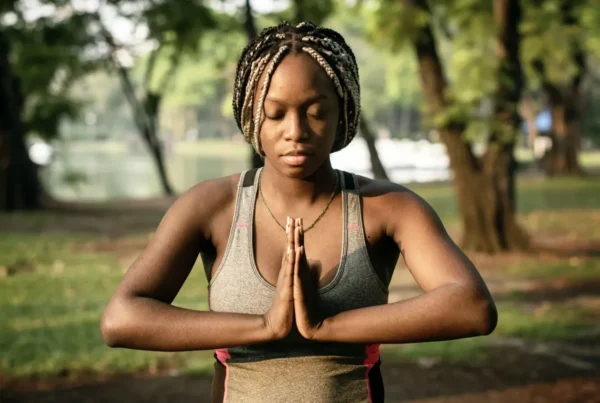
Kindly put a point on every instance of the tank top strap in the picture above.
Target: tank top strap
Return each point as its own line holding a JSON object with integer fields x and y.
{"x": 353, "y": 214}
{"x": 246, "y": 198}
{"x": 236, "y": 258}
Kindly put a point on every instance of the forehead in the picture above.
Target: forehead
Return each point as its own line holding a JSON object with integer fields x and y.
{"x": 298, "y": 76}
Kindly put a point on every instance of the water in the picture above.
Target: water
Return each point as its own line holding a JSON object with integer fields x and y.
{"x": 104, "y": 176}
{"x": 97, "y": 172}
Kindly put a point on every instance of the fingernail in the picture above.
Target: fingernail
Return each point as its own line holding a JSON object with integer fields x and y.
{"x": 289, "y": 250}
{"x": 287, "y": 224}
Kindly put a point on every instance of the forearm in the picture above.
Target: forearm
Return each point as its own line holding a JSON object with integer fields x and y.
{"x": 448, "y": 312}
{"x": 147, "y": 324}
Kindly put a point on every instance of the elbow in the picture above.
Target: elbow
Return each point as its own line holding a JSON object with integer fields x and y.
{"x": 487, "y": 316}
{"x": 112, "y": 326}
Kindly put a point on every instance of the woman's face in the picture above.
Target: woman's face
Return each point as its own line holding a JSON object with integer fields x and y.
{"x": 301, "y": 115}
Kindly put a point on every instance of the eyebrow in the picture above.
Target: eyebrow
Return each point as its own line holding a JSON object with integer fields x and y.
{"x": 310, "y": 100}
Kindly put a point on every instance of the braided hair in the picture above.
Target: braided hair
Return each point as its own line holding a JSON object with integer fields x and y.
{"x": 327, "y": 47}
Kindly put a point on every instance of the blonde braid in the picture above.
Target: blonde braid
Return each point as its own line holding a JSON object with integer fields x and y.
{"x": 261, "y": 99}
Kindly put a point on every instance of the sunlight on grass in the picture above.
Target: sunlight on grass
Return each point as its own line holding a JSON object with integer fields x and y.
{"x": 533, "y": 195}
{"x": 574, "y": 268}
{"x": 54, "y": 287}
{"x": 51, "y": 312}
{"x": 453, "y": 350}
{"x": 544, "y": 323}
{"x": 567, "y": 224}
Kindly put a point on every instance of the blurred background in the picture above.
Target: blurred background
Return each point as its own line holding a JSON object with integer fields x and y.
{"x": 489, "y": 110}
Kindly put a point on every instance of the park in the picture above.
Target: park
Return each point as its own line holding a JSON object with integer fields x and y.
{"x": 109, "y": 111}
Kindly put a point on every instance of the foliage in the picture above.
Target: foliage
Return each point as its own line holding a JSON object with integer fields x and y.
{"x": 464, "y": 32}
{"x": 48, "y": 55}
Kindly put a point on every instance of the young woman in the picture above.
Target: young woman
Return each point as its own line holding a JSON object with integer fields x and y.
{"x": 299, "y": 256}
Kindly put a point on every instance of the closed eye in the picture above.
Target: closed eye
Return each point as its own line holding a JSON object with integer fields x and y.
{"x": 275, "y": 116}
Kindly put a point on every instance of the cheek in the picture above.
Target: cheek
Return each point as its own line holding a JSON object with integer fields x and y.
{"x": 268, "y": 134}
{"x": 328, "y": 127}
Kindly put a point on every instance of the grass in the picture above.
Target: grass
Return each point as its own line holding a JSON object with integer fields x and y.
{"x": 534, "y": 195}
{"x": 545, "y": 323}
{"x": 51, "y": 311}
{"x": 573, "y": 268}
{"x": 51, "y": 307}
{"x": 454, "y": 350}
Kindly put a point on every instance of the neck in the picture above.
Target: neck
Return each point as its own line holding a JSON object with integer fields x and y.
{"x": 299, "y": 191}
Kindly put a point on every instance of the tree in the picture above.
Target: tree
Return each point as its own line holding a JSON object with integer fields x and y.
{"x": 317, "y": 11}
{"x": 19, "y": 183}
{"x": 484, "y": 184}
{"x": 176, "y": 28}
{"x": 40, "y": 60}
{"x": 251, "y": 32}
{"x": 553, "y": 39}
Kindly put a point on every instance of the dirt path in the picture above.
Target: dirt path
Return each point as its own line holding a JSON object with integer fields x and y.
{"x": 510, "y": 375}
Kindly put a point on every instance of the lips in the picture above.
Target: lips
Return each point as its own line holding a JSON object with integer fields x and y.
{"x": 295, "y": 158}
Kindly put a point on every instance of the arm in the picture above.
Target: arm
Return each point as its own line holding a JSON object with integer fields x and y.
{"x": 456, "y": 302}
{"x": 140, "y": 315}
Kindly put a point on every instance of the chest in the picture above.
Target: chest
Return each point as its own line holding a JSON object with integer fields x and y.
{"x": 324, "y": 242}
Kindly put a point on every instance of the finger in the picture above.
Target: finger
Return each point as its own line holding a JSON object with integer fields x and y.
{"x": 296, "y": 233}
{"x": 288, "y": 235}
{"x": 291, "y": 233}
{"x": 297, "y": 281}
{"x": 288, "y": 258}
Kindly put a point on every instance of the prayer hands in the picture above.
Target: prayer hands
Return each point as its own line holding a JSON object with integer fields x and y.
{"x": 296, "y": 292}
{"x": 308, "y": 321}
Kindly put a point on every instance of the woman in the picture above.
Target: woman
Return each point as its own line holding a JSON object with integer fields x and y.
{"x": 298, "y": 306}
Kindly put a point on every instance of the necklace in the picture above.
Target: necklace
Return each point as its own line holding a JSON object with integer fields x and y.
{"x": 262, "y": 199}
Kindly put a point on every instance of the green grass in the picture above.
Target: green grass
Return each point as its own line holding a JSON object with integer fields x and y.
{"x": 454, "y": 350}
{"x": 551, "y": 324}
{"x": 51, "y": 310}
{"x": 50, "y": 316}
{"x": 574, "y": 268}
{"x": 532, "y": 195}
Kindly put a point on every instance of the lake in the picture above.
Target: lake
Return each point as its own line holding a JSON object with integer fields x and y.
{"x": 110, "y": 170}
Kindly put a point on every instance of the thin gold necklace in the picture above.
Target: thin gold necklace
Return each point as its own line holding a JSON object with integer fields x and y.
{"x": 262, "y": 199}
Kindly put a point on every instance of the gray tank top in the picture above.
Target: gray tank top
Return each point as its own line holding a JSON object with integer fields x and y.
{"x": 292, "y": 371}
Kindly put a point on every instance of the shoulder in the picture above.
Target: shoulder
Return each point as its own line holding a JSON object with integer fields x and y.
{"x": 384, "y": 194}
{"x": 206, "y": 201}
{"x": 397, "y": 207}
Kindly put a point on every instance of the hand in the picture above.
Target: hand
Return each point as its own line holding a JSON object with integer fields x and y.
{"x": 280, "y": 318}
{"x": 308, "y": 321}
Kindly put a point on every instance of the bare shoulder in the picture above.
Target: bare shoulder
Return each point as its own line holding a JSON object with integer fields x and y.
{"x": 205, "y": 202}
{"x": 387, "y": 195}
{"x": 397, "y": 206}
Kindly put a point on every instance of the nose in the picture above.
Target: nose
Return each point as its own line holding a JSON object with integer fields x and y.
{"x": 297, "y": 129}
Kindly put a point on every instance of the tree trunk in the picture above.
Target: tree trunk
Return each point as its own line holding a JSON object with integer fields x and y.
{"x": 484, "y": 187}
{"x": 144, "y": 115}
{"x": 564, "y": 107}
{"x": 562, "y": 157}
{"x": 146, "y": 124}
{"x": 376, "y": 165}
{"x": 20, "y": 187}
{"x": 299, "y": 11}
